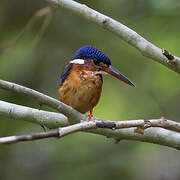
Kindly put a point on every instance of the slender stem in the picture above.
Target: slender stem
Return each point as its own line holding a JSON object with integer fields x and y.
{"x": 47, "y": 12}
{"x": 61, "y": 132}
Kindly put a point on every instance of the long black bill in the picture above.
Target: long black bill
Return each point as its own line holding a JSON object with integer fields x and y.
{"x": 118, "y": 75}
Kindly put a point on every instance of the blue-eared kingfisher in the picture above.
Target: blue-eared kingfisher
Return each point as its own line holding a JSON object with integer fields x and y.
{"x": 81, "y": 81}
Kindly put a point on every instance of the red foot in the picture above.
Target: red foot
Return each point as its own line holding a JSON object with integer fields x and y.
{"x": 68, "y": 120}
{"x": 91, "y": 114}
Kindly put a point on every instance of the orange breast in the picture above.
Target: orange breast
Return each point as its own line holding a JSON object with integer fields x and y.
{"x": 82, "y": 89}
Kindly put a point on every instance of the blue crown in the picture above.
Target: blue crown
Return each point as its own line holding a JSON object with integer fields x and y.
{"x": 90, "y": 52}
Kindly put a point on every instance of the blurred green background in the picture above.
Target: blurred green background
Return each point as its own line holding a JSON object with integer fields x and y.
{"x": 86, "y": 156}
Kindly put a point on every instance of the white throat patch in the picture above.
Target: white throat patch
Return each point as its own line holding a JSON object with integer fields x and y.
{"x": 77, "y": 61}
{"x": 101, "y": 72}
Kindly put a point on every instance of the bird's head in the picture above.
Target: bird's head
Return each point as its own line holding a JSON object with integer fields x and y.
{"x": 91, "y": 56}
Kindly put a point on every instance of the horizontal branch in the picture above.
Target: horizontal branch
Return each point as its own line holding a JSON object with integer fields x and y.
{"x": 55, "y": 120}
{"x": 144, "y": 124}
{"x": 128, "y": 35}
{"x": 29, "y": 137}
{"x": 61, "y": 132}
{"x": 43, "y": 118}
{"x": 152, "y": 135}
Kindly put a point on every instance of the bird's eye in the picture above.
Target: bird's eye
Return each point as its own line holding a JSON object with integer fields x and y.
{"x": 91, "y": 52}
{"x": 103, "y": 64}
{"x": 96, "y": 61}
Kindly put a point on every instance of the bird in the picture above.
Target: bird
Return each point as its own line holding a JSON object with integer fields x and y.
{"x": 81, "y": 80}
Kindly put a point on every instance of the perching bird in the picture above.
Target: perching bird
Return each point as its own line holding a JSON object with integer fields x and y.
{"x": 81, "y": 81}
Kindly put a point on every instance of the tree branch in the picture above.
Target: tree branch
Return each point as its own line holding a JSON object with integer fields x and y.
{"x": 44, "y": 118}
{"x": 144, "y": 124}
{"x": 118, "y": 130}
{"x": 128, "y": 35}
{"x": 61, "y": 132}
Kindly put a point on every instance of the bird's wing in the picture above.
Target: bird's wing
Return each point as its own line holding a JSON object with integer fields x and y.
{"x": 65, "y": 72}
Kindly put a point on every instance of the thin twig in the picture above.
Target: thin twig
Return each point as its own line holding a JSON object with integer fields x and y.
{"x": 43, "y": 28}
{"x": 47, "y": 11}
{"x": 29, "y": 137}
{"x": 61, "y": 132}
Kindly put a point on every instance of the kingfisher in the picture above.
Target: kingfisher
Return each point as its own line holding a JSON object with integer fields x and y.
{"x": 81, "y": 81}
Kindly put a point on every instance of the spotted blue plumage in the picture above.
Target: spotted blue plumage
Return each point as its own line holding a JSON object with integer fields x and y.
{"x": 90, "y": 52}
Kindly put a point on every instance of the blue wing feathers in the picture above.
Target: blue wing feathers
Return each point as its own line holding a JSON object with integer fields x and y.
{"x": 66, "y": 72}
